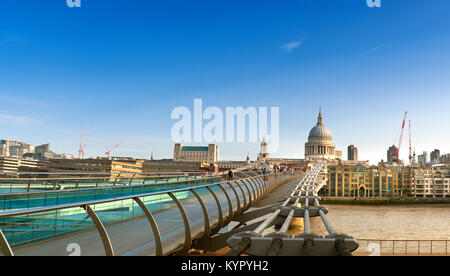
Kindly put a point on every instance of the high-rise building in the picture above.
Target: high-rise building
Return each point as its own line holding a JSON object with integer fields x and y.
{"x": 14, "y": 149}
{"x": 445, "y": 158}
{"x": 391, "y": 154}
{"x": 4, "y": 148}
{"x": 352, "y": 153}
{"x": 196, "y": 154}
{"x": 423, "y": 159}
{"x": 435, "y": 155}
{"x": 42, "y": 149}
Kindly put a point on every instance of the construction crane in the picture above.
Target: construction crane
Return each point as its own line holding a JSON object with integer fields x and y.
{"x": 410, "y": 146}
{"x": 397, "y": 150}
{"x": 108, "y": 152}
{"x": 81, "y": 150}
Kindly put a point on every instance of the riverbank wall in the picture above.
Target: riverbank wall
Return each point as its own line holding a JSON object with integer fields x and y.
{"x": 383, "y": 201}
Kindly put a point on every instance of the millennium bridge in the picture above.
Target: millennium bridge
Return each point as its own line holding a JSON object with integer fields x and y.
{"x": 132, "y": 215}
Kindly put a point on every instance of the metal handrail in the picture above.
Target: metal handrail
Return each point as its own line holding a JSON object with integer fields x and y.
{"x": 4, "y": 245}
{"x": 107, "y": 176}
{"x": 103, "y": 173}
{"x": 249, "y": 167}
{"x": 105, "y": 187}
{"x": 101, "y": 201}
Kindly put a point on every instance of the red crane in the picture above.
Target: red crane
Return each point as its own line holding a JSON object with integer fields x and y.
{"x": 397, "y": 151}
{"x": 81, "y": 150}
{"x": 115, "y": 147}
{"x": 82, "y": 147}
{"x": 410, "y": 146}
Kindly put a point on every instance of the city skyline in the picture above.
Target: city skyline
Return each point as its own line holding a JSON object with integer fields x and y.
{"x": 120, "y": 72}
{"x": 250, "y": 146}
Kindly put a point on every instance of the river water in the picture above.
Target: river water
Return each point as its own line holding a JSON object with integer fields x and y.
{"x": 398, "y": 222}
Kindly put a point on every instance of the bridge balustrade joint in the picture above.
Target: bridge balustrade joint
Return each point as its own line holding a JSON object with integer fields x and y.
{"x": 302, "y": 199}
{"x": 299, "y": 212}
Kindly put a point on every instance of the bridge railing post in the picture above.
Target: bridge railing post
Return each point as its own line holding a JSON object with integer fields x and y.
{"x": 230, "y": 205}
{"x": 253, "y": 191}
{"x": 154, "y": 226}
{"x": 219, "y": 207}
{"x": 243, "y": 195}
{"x": 207, "y": 230}
{"x": 4, "y": 245}
{"x": 238, "y": 202}
{"x": 101, "y": 230}
{"x": 187, "y": 227}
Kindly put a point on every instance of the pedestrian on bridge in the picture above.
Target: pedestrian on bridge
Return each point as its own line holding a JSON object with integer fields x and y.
{"x": 230, "y": 174}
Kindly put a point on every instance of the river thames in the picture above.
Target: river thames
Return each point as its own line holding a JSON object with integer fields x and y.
{"x": 395, "y": 222}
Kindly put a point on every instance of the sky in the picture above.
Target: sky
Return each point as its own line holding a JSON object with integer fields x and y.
{"x": 118, "y": 68}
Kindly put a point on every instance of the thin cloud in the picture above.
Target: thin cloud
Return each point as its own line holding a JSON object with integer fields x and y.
{"x": 291, "y": 46}
{"x": 22, "y": 101}
{"x": 377, "y": 48}
{"x": 9, "y": 119}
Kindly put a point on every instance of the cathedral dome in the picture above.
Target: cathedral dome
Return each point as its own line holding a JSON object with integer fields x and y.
{"x": 320, "y": 132}
{"x": 320, "y": 143}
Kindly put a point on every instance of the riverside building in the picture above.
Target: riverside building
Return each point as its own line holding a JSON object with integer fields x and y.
{"x": 431, "y": 182}
{"x": 368, "y": 181}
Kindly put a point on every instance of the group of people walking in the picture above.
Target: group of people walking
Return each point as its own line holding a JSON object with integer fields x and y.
{"x": 276, "y": 169}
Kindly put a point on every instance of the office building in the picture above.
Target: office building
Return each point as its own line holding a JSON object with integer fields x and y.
{"x": 42, "y": 149}
{"x": 10, "y": 148}
{"x": 98, "y": 165}
{"x": 423, "y": 159}
{"x": 14, "y": 164}
{"x": 435, "y": 156}
{"x": 196, "y": 154}
{"x": 391, "y": 155}
{"x": 352, "y": 153}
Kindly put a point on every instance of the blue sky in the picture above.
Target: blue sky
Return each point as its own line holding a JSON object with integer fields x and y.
{"x": 118, "y": 68}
